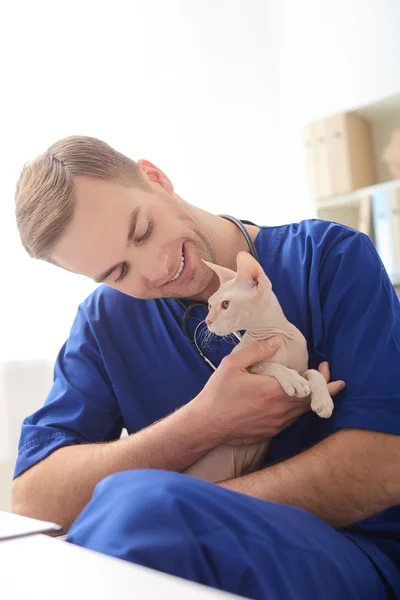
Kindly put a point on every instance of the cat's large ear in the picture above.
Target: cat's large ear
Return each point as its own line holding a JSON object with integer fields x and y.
{"x": 223, "y": 273}
{"x": 250, "y": 271}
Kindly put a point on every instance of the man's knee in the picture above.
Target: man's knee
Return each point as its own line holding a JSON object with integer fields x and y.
{"x": 159, "y": 498}
{"x": 136, "y": 498}
{"x": 149, "y": 487}
{"x": 203, "y": 532}
{"x": 145, "y": 516}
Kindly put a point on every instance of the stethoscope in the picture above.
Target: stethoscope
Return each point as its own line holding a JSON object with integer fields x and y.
{"x": 191, "y": 307}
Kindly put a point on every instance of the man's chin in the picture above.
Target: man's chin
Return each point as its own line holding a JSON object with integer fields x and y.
{"x": 194, "y": 295}
{"x": 200, "y": 294}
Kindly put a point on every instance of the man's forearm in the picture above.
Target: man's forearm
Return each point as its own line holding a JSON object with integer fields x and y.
{"x": 59, "y": 487}
{"x": 347, "y": 477}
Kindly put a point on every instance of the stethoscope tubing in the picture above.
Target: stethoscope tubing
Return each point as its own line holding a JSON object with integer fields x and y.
{"x": 188, "y": 309}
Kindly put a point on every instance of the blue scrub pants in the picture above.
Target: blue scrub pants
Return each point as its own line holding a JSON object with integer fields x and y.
{"x": 202, "y": 532}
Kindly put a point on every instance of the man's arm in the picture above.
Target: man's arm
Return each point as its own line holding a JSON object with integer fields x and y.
{"x": 349, "y": 476}
{"x": 57, "y": 488}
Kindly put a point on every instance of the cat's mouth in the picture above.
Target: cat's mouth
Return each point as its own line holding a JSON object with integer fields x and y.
{"x": 219, "y": 332}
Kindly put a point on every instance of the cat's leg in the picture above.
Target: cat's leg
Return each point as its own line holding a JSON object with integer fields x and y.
{"x": 321, "y": 401}
{"x": 249, "y": 458}
{"x": 227, "y": 462}
{"x": 215, "y": 466}
{"x": 291, "y": 381}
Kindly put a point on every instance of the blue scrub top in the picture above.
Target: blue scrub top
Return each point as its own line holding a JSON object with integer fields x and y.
{"x": 127, "y": 362}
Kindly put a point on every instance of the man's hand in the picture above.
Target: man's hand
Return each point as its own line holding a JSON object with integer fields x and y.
{"x": 334, "y": 387}
{"x": 247, "y": 408}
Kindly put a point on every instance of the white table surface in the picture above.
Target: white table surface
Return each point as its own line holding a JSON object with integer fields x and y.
{"x": 12, "y": 525}
{"x": 39, "y": 567}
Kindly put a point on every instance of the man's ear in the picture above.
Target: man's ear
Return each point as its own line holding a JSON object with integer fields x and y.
{"x": 155, "y": 175}
{"x": 223, "y": 273}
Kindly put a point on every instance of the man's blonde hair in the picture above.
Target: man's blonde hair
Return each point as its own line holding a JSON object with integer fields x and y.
{"x": 45, "y": 194}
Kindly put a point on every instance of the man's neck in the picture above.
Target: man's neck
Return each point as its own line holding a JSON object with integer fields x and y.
{"x": 226, "y": 238}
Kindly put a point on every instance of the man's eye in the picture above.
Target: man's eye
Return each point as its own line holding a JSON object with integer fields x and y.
{"x": 123, "y": 274}
{"x": 147, "y": 234}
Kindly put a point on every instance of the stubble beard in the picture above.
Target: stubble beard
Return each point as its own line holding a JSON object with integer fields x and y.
{"x": 200, "y": 239}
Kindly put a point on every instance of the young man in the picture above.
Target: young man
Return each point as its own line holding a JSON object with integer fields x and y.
{"x": 321, "y": 519}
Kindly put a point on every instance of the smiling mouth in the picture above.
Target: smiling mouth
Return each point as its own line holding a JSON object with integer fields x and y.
{"x": 179, "y": 271}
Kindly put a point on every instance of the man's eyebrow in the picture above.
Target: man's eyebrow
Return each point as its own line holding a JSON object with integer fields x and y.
{"x": 131, "y": 232}
{"x": 132, "y": 225}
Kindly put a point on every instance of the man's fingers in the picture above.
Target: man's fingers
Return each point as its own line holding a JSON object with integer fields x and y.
{"x": 335, "y": 387}
{"x": 255, "y": 353}
{"x": 324, "y": 370}
{"x": 301, "y": 406}
{"x": 292, "y": 421}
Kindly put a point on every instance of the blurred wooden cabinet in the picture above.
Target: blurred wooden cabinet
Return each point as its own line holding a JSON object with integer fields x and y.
{"x": 340, "y": 155}
{"x": 348, "y": 180}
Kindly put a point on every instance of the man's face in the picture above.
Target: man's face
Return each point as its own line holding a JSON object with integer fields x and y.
{"x": 147, "y": 245}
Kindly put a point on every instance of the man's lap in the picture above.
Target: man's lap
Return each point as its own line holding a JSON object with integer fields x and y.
{"x": 200, "y": 531}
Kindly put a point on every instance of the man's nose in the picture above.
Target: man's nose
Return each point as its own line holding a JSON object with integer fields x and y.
{"x": 155, "y": 267}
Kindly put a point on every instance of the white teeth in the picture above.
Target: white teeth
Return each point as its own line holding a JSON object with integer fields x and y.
{"x": 180, "y": 269}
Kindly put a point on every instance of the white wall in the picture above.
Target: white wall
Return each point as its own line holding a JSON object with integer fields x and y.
{"x": 327, "y": 57}
{"x": 23, "y": 386}
{"x": 215, "y": 92}
{"x": 184, "y": 84}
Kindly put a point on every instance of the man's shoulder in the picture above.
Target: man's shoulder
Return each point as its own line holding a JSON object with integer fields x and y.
{"x": 327, "y": 238}
{"x": 103, "y": 298}
{"x": 309, "y": 239}
{"x": 312, "y": 229}
{"x": 106, "y": 302}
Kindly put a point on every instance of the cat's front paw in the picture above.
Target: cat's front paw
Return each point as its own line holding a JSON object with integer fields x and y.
{"x": 321, "y": 403}
{"x": 294, "y": 384}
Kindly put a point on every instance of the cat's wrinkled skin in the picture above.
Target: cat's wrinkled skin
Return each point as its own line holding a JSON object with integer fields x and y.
{"x": 245, "y": 301}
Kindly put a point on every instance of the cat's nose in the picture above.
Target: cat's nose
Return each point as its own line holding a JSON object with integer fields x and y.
{"x": 209, "y": 322}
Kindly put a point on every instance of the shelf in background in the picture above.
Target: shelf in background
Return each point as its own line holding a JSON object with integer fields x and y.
{"x": 349, "y": 181}
{"x": 344, "y": 152}
{"x": 354, "y": 197}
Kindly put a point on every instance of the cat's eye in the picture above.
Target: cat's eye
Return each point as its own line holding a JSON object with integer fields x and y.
{"x": 225, "y": 304}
